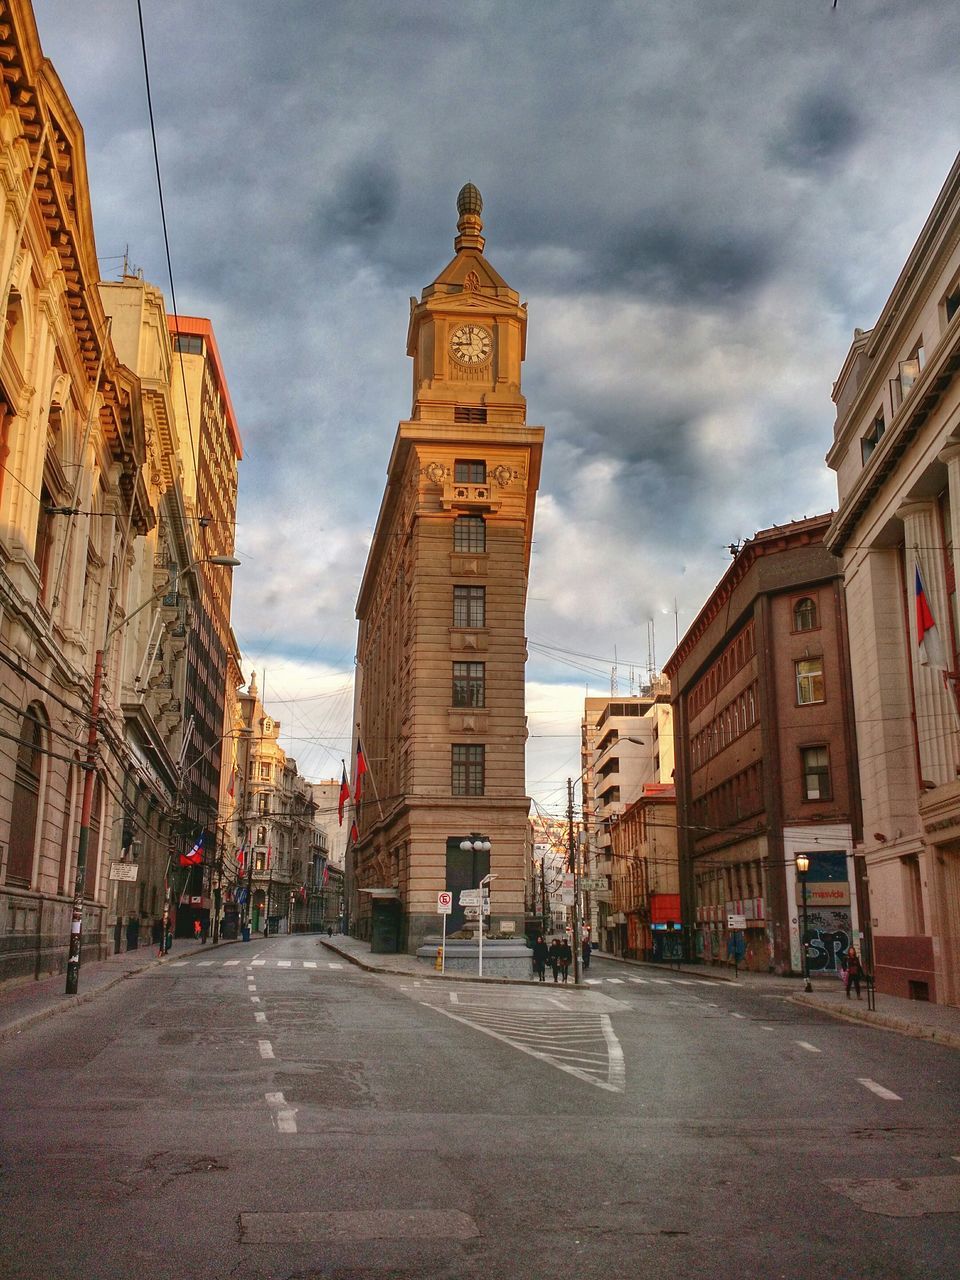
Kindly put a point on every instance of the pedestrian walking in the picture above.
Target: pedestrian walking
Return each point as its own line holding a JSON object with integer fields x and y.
{"x": 197, "y": 930}
{"x": 566, "y": 959}
{"x": 554, "y": 957}
{"x": 587, "y": 948}
{"x": 854, "y": 971}
{"x": 540, "y": 954}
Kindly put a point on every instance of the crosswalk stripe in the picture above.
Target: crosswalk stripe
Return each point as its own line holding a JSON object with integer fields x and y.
{"x": 177, "y": 964}
{"x": 228, "y": 963}
{"x": 258, "y": 962}
{"x": 202, "y": 964}
{"x": 879, "y": 1090}
{"x": 309, "y": 964}
{"x": 640, "y": 981}
{"x": 284, "y": 964}
{"x": 334, "y": 966}
{"x": 618, "y": 980}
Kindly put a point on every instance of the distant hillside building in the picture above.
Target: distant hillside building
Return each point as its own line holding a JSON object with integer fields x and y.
{"x": 766, "y": 765}
{"x": 441, "y": 649}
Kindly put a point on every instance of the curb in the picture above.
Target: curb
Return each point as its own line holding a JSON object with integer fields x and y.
{"x": 883, "y": 1022}
{"x": 432, "y": 975}
{"x": 11, "y": 1030}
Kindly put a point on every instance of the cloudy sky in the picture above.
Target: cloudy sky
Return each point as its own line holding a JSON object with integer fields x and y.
{"x": 699, "y": 200}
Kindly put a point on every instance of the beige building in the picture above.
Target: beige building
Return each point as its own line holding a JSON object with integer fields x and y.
{"x": 896, "y": 452}
{"x": 441, "y": 649}
{"x": 625, "y": 743}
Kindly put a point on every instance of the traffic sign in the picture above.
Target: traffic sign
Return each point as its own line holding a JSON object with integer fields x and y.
{"x": 469, "y": 897}
{"x": 444, "y": 903}
{"x": 736, "y": 922}
{"x": 593, "y": 884}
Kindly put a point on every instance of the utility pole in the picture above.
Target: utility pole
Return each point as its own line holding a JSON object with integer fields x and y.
{"x": 574, "y": 868}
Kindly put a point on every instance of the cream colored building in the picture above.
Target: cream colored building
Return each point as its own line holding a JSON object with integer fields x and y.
{"x": 625, "y": 743}
{"x": 441, "y": 648}
{"x": 896, "y": 452}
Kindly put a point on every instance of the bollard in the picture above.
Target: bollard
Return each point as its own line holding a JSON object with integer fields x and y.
{"x": 438, "y": 963}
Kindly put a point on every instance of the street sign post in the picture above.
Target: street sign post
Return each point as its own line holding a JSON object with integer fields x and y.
{"x": 444, "y": 907}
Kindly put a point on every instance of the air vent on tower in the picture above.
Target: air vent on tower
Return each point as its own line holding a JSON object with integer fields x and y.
{"x": 469, "y": 413}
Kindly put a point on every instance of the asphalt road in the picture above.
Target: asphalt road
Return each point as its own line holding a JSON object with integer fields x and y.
{"x": 269, "y": 1110}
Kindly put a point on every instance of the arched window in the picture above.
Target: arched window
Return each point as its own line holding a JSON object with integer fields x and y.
{"x": 91, "y": 866}
{"x": 805, "y": 615}
{"x": 26, "y": 798}
{"x": 67, "y": 833}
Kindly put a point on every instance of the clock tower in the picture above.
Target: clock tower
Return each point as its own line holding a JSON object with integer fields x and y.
{"x": 441, "y": 647}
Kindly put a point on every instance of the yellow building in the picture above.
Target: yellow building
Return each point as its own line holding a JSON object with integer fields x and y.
{"x": 441, "y": 647}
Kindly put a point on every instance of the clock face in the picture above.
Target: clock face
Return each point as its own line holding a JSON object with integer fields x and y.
{"x": 471, "y": 344}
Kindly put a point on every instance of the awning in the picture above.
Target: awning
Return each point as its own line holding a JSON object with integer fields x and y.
{"x": 381, "y": 893}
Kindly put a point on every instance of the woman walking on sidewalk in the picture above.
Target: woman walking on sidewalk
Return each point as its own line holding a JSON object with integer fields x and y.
{"x": 854, "y": 971}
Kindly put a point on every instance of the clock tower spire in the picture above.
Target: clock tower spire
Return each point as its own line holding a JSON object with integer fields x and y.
{"x": 467, "y": 334}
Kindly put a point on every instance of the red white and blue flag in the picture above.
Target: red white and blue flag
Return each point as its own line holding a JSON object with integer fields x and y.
{"x": 344, "y": 793}
{"x": 361, "y": 770}
{"x": 195, "y": 856}
{"x": 928, "y": 635}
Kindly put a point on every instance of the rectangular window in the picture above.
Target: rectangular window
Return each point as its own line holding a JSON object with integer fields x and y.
{"x": 816, "y": 773}
{"x": 951, "y": 303}
{"x": 469, "y": 606}
{"x": 469, "y": 471}
{"x": 469, "y": 534}
{"x": 809, "y": 680}
{"x": 188, "y": 344}
{"x": 872, "y": 438}
{"x": 466, "y": 770}
{"x": 469, "y": 684}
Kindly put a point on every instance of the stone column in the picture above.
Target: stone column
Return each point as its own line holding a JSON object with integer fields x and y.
{"x": 936, "y": 709}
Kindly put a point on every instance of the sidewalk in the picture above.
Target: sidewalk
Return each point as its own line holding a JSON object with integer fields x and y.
{"x": 917, "y": 1018}
{"x": 26, "y": 1003}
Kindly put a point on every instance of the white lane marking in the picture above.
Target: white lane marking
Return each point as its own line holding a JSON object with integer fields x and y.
{"x": 743, "y": 1015}
{"x": 228, "y": 963}
{"x": 704, "y": 982}
{"x": 682, "y": 982}
{"x": 559, "y": 1003}
{"x": 258, "y": 962}
{"x": 254, "y": 999}
{"x": 662, "y": 982}
{"x": 957, "y": 1158}
{"x": 266, "y": 1049}
{"x": 642, "y": 981}
{"x": 177, "y": 964}
{"x": 593, "y": 982}
{"x": 260, "y": 1017}
{"x": 616, "y": 1074}
{"x": 880, "y": 1091}
{"x": 340, "y": 966}
{"x": 284, "y": 964}
{"x": 618, "y": 981}
{"x": 309, "y": 964}
{"x": 202, "y": 964}
{"x": 767, "y": 1028}
{"x": 810, "y": 1048}
{"x": 276, "y": 1099}
{"x": 454, "y": 998}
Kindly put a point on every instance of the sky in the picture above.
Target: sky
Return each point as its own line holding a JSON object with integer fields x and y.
{"x": 698, "y": 201}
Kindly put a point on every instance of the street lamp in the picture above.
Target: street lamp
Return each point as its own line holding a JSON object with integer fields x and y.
{"x": 803, "y": 866}
{"x": 86, "y": 808}
{"x": 478, "y": 844}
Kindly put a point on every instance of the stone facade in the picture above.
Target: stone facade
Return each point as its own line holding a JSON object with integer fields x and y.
{"x": 896, "y": 452}
{"x": 441, "y": 648}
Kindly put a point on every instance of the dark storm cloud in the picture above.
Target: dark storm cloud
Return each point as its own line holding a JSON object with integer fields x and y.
{"x": 822, "y": 129}
{"x": 361, "y": 202}
{"x": 683, "y": 264}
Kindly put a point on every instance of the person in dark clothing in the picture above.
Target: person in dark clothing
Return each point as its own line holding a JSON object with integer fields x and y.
{"x": 566, "y": 959}
{"x": 554, "y": 957}
{"x": 854, "y": 971}
{"x": 540, "y": 954}
{"x": 587, "y": 947}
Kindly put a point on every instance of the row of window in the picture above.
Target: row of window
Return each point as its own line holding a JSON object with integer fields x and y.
{"x": 740, "y": 796}
{"x": 736, "y": 656}
{"x": 733, "y": 721}
{"x": 468, "y": 760}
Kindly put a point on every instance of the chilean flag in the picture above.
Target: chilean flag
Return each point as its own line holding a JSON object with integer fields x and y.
{"x": 361, "y": 770}
{"x": 354, "y": 833}
{"x": 344, "y": 793}
{"x": 195, "y": 856}
{"x": 928, "y": 636}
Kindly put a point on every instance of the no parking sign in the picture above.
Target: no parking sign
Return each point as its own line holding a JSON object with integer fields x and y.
{"x": 444, "y": 903}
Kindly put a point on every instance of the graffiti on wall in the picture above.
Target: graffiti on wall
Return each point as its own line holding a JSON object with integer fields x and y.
{"x": 829, "y": 933}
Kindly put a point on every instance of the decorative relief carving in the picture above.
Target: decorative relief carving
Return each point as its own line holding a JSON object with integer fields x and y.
{"x": 503, "y": 475}
{"x": 435, "y": 472}
{"x": 472, "y": 282}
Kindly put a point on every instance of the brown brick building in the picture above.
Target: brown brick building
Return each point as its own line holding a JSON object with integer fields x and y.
{"x": 765, "y": 752}
{"x": 441, "y": 648}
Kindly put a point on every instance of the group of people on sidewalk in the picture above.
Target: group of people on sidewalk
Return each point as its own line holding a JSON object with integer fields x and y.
{"x": 559, "y": 956}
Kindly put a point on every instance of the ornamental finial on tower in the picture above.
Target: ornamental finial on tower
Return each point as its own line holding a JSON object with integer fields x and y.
{"x": 469, "y": 207}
